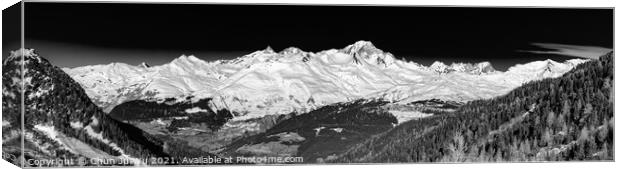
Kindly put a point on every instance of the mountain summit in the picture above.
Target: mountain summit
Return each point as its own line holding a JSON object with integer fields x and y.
{"x": 367, "y": 52}
{"x": 362, "y": 47}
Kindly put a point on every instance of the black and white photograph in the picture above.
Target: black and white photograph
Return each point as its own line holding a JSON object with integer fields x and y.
{"x": 127, "y": 84}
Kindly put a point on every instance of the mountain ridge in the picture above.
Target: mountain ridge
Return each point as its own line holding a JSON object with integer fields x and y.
{"x": 286, "y": 81}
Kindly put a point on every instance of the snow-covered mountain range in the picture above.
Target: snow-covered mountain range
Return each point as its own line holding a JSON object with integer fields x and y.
{"x": 268, "y": 82}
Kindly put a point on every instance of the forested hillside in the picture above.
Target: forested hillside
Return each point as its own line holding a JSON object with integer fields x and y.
{"x": 191, "y": 112}
{"x": 319, "y": 134}
{"x": 57, "y": 107}
{"x": 556, "y": 119}
{"x": 60, "y": 119}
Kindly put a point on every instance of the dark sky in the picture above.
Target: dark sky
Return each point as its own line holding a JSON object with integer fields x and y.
{"x": 74, "y": 34}
{"x": 11, "y": 29}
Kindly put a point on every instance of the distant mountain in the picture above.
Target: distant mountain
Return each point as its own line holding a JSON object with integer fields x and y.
{"x": 60, "y": 119}
{"x": 478, "y": 68}
{"x": 292, "y": 80}
{"x": 566, "y": 118}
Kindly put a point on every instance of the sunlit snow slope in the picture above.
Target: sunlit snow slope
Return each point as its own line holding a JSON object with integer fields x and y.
{"x": 268, "y": 82}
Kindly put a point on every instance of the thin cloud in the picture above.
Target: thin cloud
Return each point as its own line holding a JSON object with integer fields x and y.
{"x": 590, "y": 52}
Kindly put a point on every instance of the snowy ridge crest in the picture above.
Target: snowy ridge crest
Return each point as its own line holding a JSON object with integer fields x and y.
{"x": 478, "y": 68}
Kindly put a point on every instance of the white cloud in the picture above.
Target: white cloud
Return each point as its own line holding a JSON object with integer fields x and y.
{"x": 590, "y": 52}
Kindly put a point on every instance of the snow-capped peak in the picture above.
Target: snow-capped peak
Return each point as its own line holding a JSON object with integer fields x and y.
{"x": 187, "y": 59}
{"x": 268, "y": 50}
{"x": 439, "y": 67}
{"x": 365, "y": 52}
{"x": 362, "y": 46}
{"x": 185, "y": 63}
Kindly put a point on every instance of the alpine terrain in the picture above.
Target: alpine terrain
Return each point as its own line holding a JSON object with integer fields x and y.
{"x": 267, "y": 82}
{"x": 211, "y": 104}
{"x": 354, "y": 104}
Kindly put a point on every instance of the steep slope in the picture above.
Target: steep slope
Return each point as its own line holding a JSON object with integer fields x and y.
{"x": 566, "y": 118}
{"x": 60, "y": 119}
{"x": 268, "y": 82}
